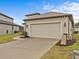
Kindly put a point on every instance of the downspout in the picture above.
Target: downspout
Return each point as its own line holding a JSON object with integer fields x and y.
{"x": 68, "y": 28}
{"x": 12, "y": 27}
{"x": 25, "y": 26}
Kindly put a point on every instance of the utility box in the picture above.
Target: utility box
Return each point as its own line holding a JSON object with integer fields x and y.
{"x": 64, "y": 39}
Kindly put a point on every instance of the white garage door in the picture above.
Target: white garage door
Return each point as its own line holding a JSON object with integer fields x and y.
{"x": 47, "y": 30}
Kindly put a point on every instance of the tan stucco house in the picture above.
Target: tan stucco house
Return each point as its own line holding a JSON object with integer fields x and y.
{"x": 18, "y": 28}
{"x": 76, "y": 29}
{"x": 49, "y": 25}
{"x": 6, "y": 25}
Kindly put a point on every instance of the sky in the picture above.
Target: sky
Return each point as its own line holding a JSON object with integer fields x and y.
{"x": 17, "y": 9}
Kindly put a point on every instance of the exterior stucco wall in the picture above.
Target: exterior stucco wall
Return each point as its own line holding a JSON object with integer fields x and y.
{"x": 4, "y": 28}
{"x": 64, "y": 28}
{"x": 62, "y": 20}
{"x": 24, "y": 26}
{"x": 5, "y": 18}
{"x": 70, "y": 30}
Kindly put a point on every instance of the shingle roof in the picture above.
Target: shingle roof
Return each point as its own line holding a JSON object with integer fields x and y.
{"x": 46, "y": 15}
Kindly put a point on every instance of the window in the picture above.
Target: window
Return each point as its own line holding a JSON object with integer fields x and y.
{"x": 65, "y": 24}
{"x": 26, "y": 25}
{"x": 6, "y": 31}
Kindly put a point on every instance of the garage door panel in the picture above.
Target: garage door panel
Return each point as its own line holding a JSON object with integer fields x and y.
{"x": 50, "y": 30}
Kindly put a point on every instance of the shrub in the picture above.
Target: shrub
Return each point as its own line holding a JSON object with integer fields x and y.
{"x": 8, "y": 37}
{"x": 25, "y": 34}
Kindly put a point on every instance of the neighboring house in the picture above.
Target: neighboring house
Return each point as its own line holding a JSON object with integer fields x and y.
{"x": 24, "y": 27}
{"x": 76, "y": 28}
{"x": 18, "y": 28}
{"x": 6, "y": 24}
{"x": 49, "y": 25}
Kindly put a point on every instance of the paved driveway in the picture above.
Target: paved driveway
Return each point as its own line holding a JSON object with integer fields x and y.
{"x": 29, "y": 48}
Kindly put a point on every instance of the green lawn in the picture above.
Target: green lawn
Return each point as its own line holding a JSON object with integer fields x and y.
{"x": 62, "y": 52}
{"x": 75, "y": 45}
{"x": 8, "y": 37}
{"x": 76, "y": 36}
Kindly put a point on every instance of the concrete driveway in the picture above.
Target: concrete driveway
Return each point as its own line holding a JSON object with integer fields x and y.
{"x": 28, "y": 48}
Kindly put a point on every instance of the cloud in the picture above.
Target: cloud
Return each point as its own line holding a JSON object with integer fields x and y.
{"x": 48, "y": 7}
{"x": 67, "y": 7}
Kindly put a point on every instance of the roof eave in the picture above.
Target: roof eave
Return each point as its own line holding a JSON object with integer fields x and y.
{"x": 68, "y": 15}
{"x": 6, "y": 16}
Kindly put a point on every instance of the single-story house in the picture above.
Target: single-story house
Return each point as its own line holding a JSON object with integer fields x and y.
{"x": 54, "y": 25}
{"x": 76, "y": 29}
{"x": 6, "y": 24}
{"x": 17, "y": 28}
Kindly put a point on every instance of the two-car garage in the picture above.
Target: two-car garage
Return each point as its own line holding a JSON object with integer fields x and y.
{"x": 46, "y": 30}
